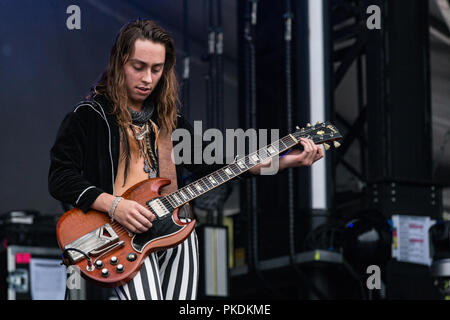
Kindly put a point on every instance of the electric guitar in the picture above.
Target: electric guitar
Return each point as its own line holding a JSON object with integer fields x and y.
{"x": 109, "y": 255}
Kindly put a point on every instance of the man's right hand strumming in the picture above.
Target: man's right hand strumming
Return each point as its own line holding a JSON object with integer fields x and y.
{"x": 130, "y": 214}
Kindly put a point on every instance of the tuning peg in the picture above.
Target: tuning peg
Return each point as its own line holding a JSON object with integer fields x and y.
{"x": 308, "y": 124}
{"x": 336, "y": 144}
{"x": 327, "y": 146}
{"x": 297, "y": 127}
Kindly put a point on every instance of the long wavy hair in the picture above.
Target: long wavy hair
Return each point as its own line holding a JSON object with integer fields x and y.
{"x": 112, "y": 82}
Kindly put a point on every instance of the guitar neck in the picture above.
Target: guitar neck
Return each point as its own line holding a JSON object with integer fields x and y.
{"x": 227, "y": 173}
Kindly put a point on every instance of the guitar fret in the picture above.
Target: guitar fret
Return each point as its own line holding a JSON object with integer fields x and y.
{"x": 235, "y": 169}
{"x": 171, "y": 201}
{"x": 254, "y": 158}
{"x": 241, "y": 164}
{"x": 218, "y": 177}
{"x": 262, "y": 154}
{"x": 212, "y": 180}
{"x": 228, "y": 171}
{"x": 272, "y": 149}
{"x": 293, "y": 138}
{"x": 288, "y": 141}
{"x": 183, "y": 195}
{"x": 198, "y": 187}
{"x": 206, "y": 182}
{"x": 223, "y": 178}
{"x": 223, "y": 175}
{"x": 177, "y": 198}
{"x": 190, "y": 191}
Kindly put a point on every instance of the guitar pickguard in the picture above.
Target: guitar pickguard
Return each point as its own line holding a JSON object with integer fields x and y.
{"x": 161, "y": 228}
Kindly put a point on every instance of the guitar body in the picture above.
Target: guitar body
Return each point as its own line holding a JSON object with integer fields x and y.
{"x": 96, "y": 235}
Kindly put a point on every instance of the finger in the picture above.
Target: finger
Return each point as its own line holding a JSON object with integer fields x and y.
{"x": 311, "y": 150}
{"x": 312, "y": 145}
{"x": 316, "y": 149}
{"x": 143, "y": 220}
{"x": 129, "y": 227}
{"x": 305, "y": 157}
{"x": 314, "y": 154}
{"x": 137, "y": 226}
{"x": 146, "y": 213}
{"x": 320, "y": 153}
{"x": 306, "y": 145}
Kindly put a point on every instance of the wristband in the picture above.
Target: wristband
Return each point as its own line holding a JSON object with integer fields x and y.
{"x": 113, "y": 207}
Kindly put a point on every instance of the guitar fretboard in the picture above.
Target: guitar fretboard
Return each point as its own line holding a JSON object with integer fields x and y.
{"x": 227, "y": 173}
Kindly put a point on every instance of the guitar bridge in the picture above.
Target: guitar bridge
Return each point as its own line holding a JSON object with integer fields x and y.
{"x": 92, "y": 243}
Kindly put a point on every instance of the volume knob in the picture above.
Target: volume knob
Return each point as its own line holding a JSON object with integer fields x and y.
{"x": 99, "y": 264}
{"x": 114, "y": 260}
{"x": 105, "y": 273}
{"x": 131, "y": 256}
{"x": 120, "y": 268}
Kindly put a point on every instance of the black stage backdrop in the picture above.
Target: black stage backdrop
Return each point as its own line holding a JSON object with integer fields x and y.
{"x": 45, "y": 69}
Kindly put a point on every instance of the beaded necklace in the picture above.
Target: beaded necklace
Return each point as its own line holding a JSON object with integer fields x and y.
{"x": 140, "y": 127}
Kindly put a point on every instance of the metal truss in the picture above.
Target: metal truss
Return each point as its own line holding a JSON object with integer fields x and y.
{"x": 348, "y": 40}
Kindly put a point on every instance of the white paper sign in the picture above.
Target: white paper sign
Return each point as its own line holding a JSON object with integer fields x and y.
{"x": 411, "y": 241}
{"x": 48, "y": 279}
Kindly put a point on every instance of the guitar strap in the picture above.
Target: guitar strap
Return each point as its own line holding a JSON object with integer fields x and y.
{"x": 167, "y": 169}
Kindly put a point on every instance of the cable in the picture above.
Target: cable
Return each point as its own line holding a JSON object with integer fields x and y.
{"x": 89, "y": 262}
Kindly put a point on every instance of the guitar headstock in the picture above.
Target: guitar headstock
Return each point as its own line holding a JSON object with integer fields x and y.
{"x": 320, "y": 133}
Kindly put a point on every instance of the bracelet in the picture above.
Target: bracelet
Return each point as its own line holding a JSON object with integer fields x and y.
{"x": 113, "y": 207}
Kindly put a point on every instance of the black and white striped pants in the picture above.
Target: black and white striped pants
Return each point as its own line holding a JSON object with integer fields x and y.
{"x": 170, "y": 274}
